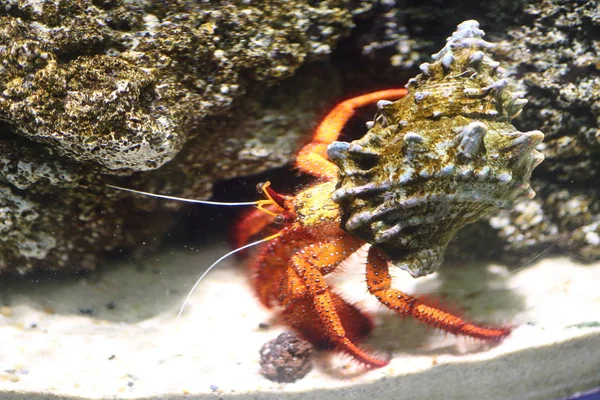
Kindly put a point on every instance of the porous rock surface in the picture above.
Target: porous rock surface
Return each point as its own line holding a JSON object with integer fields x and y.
{"x": 115, "y": 87}
{"x": 123, "y": 86}
{"x": 553, "y": 51}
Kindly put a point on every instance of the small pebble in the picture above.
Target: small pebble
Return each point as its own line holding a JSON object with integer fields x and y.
{"x": 286, "y": 358}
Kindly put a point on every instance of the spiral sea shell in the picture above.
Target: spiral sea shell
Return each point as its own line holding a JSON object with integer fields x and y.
{"x": 438, "y": 159}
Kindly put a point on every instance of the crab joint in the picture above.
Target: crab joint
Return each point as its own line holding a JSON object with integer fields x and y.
{"x": 273, "y": 198}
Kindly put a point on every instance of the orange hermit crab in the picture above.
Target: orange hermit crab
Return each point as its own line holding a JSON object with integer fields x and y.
{"x": 442, "y": 156}
{"x": 289, "y": 273}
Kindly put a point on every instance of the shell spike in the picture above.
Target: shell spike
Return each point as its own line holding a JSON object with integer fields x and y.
{"x": 338, "y": 151}
{"x": 425, "y": 68}
{"x": 497, "y": 87}
{"x": 420, "y": 262}
{"x": 413, "y": 144}
{"x": 362, "y": 150}
{"x": 383, "y": 103}
{"x": 358, "y": 191}
{"x": 515, "y": 106}
{"x": 388, "y": 234}
{"x": 524, "y": 140}
{"x": 413, "y": 137}
{"x": 537, "y": 158}
{"x": 476, "y": 58}
{"x": 471, "y": 139}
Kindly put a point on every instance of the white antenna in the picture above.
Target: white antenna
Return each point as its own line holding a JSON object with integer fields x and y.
{"x": 215, "y": 263}
{"x": 162, "y": 196}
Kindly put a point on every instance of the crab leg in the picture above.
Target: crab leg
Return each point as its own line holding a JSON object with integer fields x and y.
{"x": 312, "y": 158}
{"x": 311, "y": 284}
{"x": 290, "y": 272}
{"x": 379, "y": 284}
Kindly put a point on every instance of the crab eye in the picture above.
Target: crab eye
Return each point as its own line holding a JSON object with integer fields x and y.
{"x": 259, "y": 187}
{"x": 279, "y": 219}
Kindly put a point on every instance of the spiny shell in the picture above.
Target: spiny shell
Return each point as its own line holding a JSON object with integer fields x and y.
{"x": 438, "y": 159}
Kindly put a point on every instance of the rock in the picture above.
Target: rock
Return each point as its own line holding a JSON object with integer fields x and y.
{"x": 286, "y": 358}
{"x": 553, "y": 53}
{"x": 115, "y": 87}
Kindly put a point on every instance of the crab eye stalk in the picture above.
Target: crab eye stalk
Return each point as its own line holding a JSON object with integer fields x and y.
{"x": 259, "y": 187}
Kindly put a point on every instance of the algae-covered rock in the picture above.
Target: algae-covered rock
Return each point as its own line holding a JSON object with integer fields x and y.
{"x": 115, "y": 87}
{"x": 553, "y": 52}
{"x": 556, "y": 59}
{"x": 123, "y": 86}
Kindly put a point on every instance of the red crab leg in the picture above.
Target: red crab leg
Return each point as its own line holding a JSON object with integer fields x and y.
{"x": 328, "y": 255}
{"x": 379, "y": 284}
{"x": 312, "y": 158}
{"x": 290, "y": 272}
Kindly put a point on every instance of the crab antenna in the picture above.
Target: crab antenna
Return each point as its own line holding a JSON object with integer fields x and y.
{"x": 215, "y": 263}
{"x": 162, "y": 196}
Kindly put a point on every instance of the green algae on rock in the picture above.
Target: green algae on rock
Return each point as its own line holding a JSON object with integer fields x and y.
{"x": 126, "y": 96}
{"x": 114, "y": 87}
{"x": 552, "y": 52}
{"x": 440, "y": 158}
{"x": 556, "y": 63}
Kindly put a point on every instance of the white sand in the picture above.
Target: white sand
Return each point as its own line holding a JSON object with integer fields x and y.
{"x": 50, "y": 350}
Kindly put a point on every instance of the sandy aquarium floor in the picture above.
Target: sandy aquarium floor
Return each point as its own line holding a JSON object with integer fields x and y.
{"x": 113, "y": 335}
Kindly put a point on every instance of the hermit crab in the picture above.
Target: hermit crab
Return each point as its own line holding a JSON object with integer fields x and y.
{"x": 442, "y": 155}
